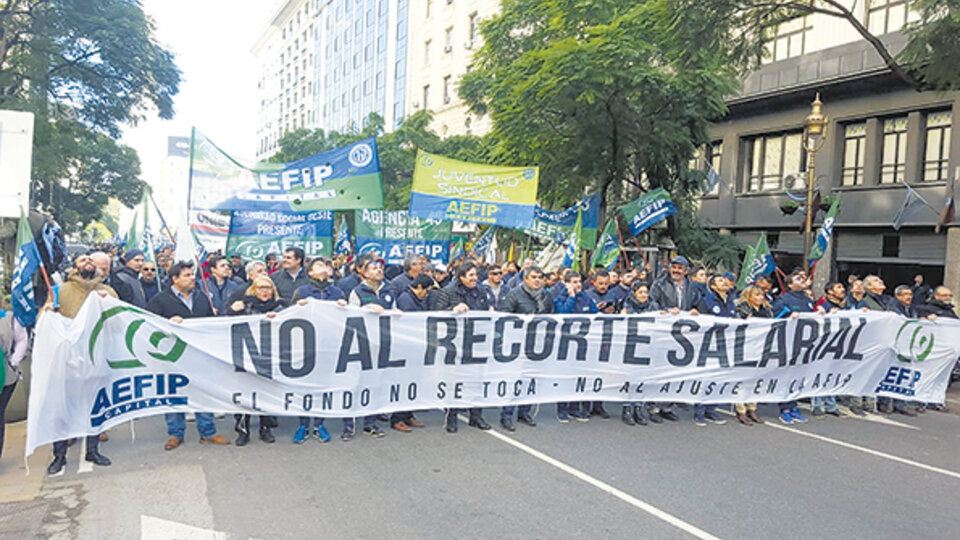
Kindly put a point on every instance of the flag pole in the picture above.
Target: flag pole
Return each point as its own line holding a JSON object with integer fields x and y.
{"x": 620, "y": 242}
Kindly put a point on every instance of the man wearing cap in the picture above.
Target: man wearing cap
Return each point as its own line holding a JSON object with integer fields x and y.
{"x": 674, "y": 292}
{"x": 126, "y": 280}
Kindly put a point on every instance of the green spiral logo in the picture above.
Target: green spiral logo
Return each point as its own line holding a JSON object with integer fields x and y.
{"x": 914, "y": 341}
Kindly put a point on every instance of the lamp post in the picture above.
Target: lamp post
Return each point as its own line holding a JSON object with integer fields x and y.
{"x": 814, "y": 135}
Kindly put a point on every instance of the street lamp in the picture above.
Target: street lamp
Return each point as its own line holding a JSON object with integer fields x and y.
{"x": 814, "y": 135}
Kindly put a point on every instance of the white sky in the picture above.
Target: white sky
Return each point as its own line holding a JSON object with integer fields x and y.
{"x": 211, "y": 41}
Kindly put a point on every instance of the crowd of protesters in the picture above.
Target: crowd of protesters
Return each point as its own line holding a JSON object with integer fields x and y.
{"x": 228, "y": 287}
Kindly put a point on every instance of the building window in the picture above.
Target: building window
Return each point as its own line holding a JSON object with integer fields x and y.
{"x": 429, "y": 4}
{"x": 937, "y": 146}
{"x": 468, "y": 126}
{"x": 790, "y": 40}
{"x": 854, "y": 152}
{"x": 473, "y": 27}
{"x": 885, "y": 16}
{"x": 893, "y": 165}
{"x": 446, "y": 89}
{"x": 426, "y": 96}
{"x": 890, "y": 246}
{"x": 448, "y": 40}
{"x": 426, "y": 52}
{"x": 771, "y": 158}
{"x": 714, "y": 155}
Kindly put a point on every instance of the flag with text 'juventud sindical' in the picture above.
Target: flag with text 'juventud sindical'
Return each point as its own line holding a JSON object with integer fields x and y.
{"x": 343, "y": 178}
{"x": 445, "y": 188}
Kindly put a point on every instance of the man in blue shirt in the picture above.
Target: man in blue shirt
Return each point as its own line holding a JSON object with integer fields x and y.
{"x": 793, "y": 302}
{"x": 572, "y": 299}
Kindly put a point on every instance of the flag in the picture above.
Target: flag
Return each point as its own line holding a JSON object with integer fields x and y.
{"x": 481, "y": 245}
{"x": 757, "y": 262}
{"x": 713, "y": 178}
{"x": 826, "y": 232}
{"x": 25, "y": 265}
{"x": 456, "y": 250}
{"x": 608, "y": 247}
{"x": 54, "y": 249}
{"x": 491, "y": 256}
{"x": 911, "y": 203}
{"x": 342, "y": 246}
{"x": 571, "y": 258}
{"x": 511, "y": 254}
{"x": 188, "y": 247}
{"x": 550, "y": 258}
{"x": 648, "y": 210}
{"x": 948, "y": 214}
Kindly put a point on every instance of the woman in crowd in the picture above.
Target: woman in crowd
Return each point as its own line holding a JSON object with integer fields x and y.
{"x": 752, "y": 303}
{"x": 261, "y": 298}
{"x": 13, "y": 348}
{"x": 638, "y": 301}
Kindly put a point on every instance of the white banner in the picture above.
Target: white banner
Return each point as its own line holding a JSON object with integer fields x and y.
{"x": 115, "y": 362}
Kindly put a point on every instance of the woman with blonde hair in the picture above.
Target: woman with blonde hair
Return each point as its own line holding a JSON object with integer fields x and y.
{"x": 260, "y": 298}
{"x": 752, "y": 303}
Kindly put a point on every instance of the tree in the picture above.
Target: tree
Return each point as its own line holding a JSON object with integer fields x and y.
{"x": 741, "y": 28}
{"x": 84, "y": 68}
{"x": 602, "y": 94}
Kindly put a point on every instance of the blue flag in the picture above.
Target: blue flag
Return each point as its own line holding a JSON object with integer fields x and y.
{"x": 481, "y": 246}
{"x": 342, "y": 246}
{"x": 24, "y": 266}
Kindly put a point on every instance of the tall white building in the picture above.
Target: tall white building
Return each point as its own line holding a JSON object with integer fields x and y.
{"x": 444, "y": 36}
{"x": 285, "y": 50}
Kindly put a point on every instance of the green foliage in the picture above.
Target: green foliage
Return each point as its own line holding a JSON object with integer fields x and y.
{"x": 84, "y": 68}
{"x": 933, "y": 52}
{"x": 602, "y": 94}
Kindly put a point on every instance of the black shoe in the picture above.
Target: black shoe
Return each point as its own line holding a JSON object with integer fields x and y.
{"x": 57, "y": 465}
{"x": 242, "y": 438}
{"x": 906, "y": 412}
{"x": 669, "y": 415}
{"x": 656, "y": 418}
{"x": 452, "y": 426}
{"x": 598, "y": 410}
{"x": 526, "y": 419}
{"x": 97, "y": 459}
{"x": 885, "y": 409}
{"x": 480, "y": 424}
{"x": 508, "y": 424}
{"x": 374, "y": 431}
{"x": 347, "y": 435}
{"x": 383, "y": 418}
{"x": 266, "y": 435}
{"x": 627, "y": 417}
{"x": 639, "y": 416}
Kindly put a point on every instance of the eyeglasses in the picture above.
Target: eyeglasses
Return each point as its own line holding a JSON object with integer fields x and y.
{"x": 148, "y": 269}
{"x": 264, "y": 288}
{"x": 495, "y": 273}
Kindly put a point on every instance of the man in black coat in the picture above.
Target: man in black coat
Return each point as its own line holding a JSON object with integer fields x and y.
{"x": 292, "y": 275}
{"x": 182, "y": 300}
{"x": 939, "y": 305}
{"x": 529, "y": 297}
{"x": 126, "y": 280}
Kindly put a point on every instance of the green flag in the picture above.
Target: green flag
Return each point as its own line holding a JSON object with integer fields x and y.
{"x": 748, "y": 259}
{"x": 757, "y": 262}
{"x": 826, "y": 232}
{"x": 608, "y": 246}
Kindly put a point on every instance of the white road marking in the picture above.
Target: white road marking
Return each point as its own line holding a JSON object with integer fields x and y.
{"x": 690, "y": 529}
{"x": 866, "y": 450}
{"x": 870, "y": 417}
{"x": 85, "y": 466}
{"x": 153, "y": 528}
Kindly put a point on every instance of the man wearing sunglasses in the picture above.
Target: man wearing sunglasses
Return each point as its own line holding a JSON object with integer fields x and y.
{"x": 494, "y": 286}
{"x": 149, "y": 280}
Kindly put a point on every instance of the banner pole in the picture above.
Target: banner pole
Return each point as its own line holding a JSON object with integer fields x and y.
{"x": 620, "y": 242}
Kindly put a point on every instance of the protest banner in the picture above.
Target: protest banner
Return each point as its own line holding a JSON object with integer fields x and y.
{"x": 550, "y": 225}
{"x": 253, "y": 234}
{"x": 343, "y": 178}
{"x": 394, "y": 234}
{"x": 115, "y": 362}
{"x": 648, "y": 210}
{"x": 449, "y": 189}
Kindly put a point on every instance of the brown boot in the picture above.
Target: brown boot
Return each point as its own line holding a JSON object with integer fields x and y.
{"x": 172, "y": 443}
{"x": 215, "y": 439}
{"x": 104, "y": 437}
{"x": 752, "y": 415}
{"x": 742, "y": 417}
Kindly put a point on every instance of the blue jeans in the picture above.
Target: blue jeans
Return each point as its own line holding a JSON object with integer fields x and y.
{"x": 788, "y": 406}
{"x": 368, "y": 421}
{"x": 177, "y": 424}
{"x": 827, "y": 403}
{"x": 700, "y": 411}
{"x": 507, "y": 412}
{"x": 305, "y": 421}
{"x": 60, "y": 447}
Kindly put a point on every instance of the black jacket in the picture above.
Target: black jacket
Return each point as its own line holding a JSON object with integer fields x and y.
{"x": 165, "y": 304}
{"x": 745, "y": 310}
{"x": 664, "y": 293}
{"x": 407, "y": 301}
{"x": 938, "y": 308}
{"x": 286, "y": 285}
{"x": 455, "y": 293}
{"x": 524, "y": 300}
{"x": 253, "y": 305}
{"x": 633, "y": 306}
{"x": 126, "y": 282}
{"x": 897, "y": 306}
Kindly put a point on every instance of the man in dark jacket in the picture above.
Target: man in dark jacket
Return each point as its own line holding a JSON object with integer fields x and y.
{"x": 900, "y": 304}
{"x": 292, "y": 275}
{"x": 126, "y": 280}
{"x": 463, "y": 294}
{"x": 494, "y": 286}
{"x": 221, "y": 284}
{"x": 182, "y": 301}
{"x": 351, "y": 279}
{"x": 794, "y": 301}
{"x": 412, "y": 267}
{"x": 530, "y": 297}
{"x": 411, "y": 300}
{"x": 717, "y": 301}
{"x": 940, "y": 304}
{"x": 573, "y": 299}
{"x": 921, "y": 291}
{"x": 149, "y": 279}
{"x": 874, "y": 299}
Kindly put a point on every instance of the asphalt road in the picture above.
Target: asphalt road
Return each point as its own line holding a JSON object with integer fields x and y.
{"x": 888, "y": 477}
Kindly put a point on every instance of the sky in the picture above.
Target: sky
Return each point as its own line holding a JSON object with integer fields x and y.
{"x": 211, "y": 41}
